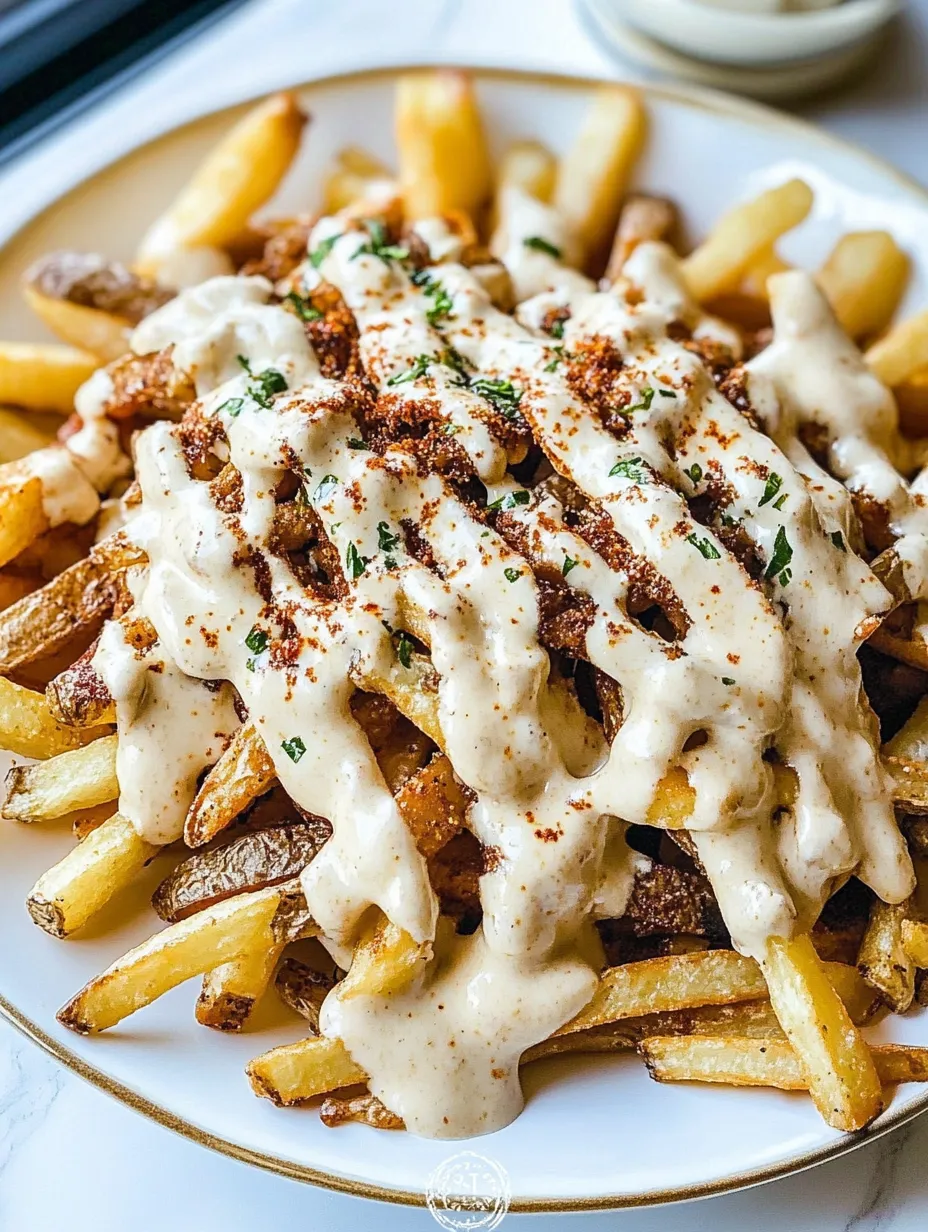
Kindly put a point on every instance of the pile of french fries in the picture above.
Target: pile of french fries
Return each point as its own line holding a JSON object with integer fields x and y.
{"x": 232, "y": 905}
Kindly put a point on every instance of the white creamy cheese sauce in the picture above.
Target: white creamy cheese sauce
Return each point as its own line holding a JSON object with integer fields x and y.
{"x": 763, "y": 670}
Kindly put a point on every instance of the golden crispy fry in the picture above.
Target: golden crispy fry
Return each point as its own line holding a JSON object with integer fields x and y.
{"x": 864, "y": 278}
{"x": 434, "y": 805}
{"x": 911, "y": 649}
{"x": 355, "y": 176}
{"x": 240, "y": 174}
{"x": 743, "y": 1062}
{"x": 22, "y": 512}
{"x": 77, "y": 887}
{"x": 231, "y": 992}
{"x": 903, "y": 352}
{"x": 912, "y": 400}
{"x": 443, "y": 159}
{"x": 15, "y": 586}
{"x": 412, "y": 690}
{"x": 707, "y": 977}
{"x": 43, "y": 376}
{"x": 244, "y": 772}
{"x": 85, "y": 821}
{"x": 595, "y": 172}
{"x": 296, "y": 1072}
{"x": 28, "y": 728}
{"x": 673, "y": 801}
{"x": 386, "y": 960}
{"x": 764, "y": 265}
{"x": 367, "y": 1109}
{"x": 20, "y": 434}
{"x": 193, "y": 946}
{"x": 882, "y": 959}
{"x": 530, "y": 166}
{"x": 742, "y": 235}
{"x": 101, "y": 333}
{"x": 79, "y": 779}
{"x": 643, "y": 218}
{"x": 915, "y": 941}
{"x": 842, "y": 1079}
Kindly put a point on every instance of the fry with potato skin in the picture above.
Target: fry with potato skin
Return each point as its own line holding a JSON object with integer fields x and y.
{"x": 230, "y": 993}
{"x": 883, "y": 961}
{"x": 244, "y": 772}
{"x": 28, "y": 727}
{"x": 77, "y": 779}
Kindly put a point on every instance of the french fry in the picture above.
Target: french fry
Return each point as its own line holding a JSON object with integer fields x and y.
{"x": 595, "y": 172}
{"x": 530, "y": 166}
{"x": 902, "y": 352}
{"x": 240, "y": 174}
{"x": 883, "y": 961}
{"x": 101, "y": 333}
{"x": 443, "y": 160}
{"x": 244, "y": 772}
{"x": 193, "y": 946}
{"x": 42, "y": 376}
{"x": 21, "y": 434}
{"x": 741, "y": 235}
{"x": 296, "y": 1072}
{"x": 836, "y": 1061}
{"x": 740, "y": 1061}
{"x": 366, "y": 1109}
{"x": 764, "y": 265}
{"x": 643, "y": 218}
{"x": 386, "y": 960}
{"x": 912, "y": 400}
{"x": 85, "y": 821}
{"x": 354, "y": 177}
{"x": 231, "y": 992}
{"x": 27, "y": 727}
{"x": 22, "y": 511}
{"x": 77, "y": 887}
{"x": 79, "y": 779}
{"x": 78, "y": 697}
{"x": 915, "y": 941}
{"x": 15, "y": 586}
{"x": 864, "y": 277}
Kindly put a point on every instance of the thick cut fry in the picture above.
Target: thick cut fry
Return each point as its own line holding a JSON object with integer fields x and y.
{"x": 42, "y": 376}
{"x": 207, "y": 940}
{"x": 28, "y": 728}
{"x": 912, "y": 400}
{"x": 594, "y": 174}
{"x": 864, "y": 278}
{"x": 443, "y": 159}
{"x": 915, "y": 941}
{"x": 842, "y": 1079}
{"x": 79, "y": 779}
{"x": 22, "y": 511}
{"x": 742, "y": 235}
{"x": 642, "y": 219}
{"x": 764, "y": 265}
{"x": 356, "y": 176}
{"x": 707, "y": 977}
{"x": 21, "y": 434}
{"x": 386, "y": 960}
{"x": 744, "y": 1062}
{"x": 244, "y": 772}
{"x": 903, "y": 352}
{"x": 367, "y": 1109}
{"x": 296, "y": 1072}
{"x": 77, "y": 887}
{"x": 883, "y": 960}
{"x": 530, "y": 166}
{"x": 412, "y": 690}
{"x": 231, "y": 992}
{"x": 303, "y": 989}
{"x": 78, "y": 697}
{"x": 237, "y": 178}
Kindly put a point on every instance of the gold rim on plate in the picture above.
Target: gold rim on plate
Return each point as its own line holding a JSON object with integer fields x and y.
{"x": 699, "y": 99}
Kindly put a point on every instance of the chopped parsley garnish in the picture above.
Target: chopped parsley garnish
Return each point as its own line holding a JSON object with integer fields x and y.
{"x": 355, "y": 562}
{"x": 838, "y": 540}
{"x": 404, "y": 650}
{"x": 727, "y": 520}
{"x": 569, "y": 563}
{"x": 631, "y": 468}
{"x": 432, "y": 286}
{"x": 540, "y": 244}
{"x": 647, "y": 397}
{"x": 782, "y": 555}
{"x": 256, "y": 641}
{"x": 378, "y": 246}
{"x": 694, "y": 472}
{"x": 556, "y": 329}
{"x": 503, "y": 396}
{"x": 512, "y": 575}
{"x": 456, "y": 362}
{"x": 386, "y": 541}
{"x": 303, "y": 308}
{"x": 326, "y": 484}
{"x": 728, "y": 680}
{"x": 451, "y": 429}
{"x": 781, "y": 501}
{"x": 419, "y": 368}
{"x": 322, "y": 250}
{"x": 266, "y": 384}
{"x": 667, "y": 393}
{"x": 294, "y": 748}
{"x": 558, "y": 356}
{"x": 772, "y": 487}
{"x": 250, "y": 664}
{"x": 355, "y": 442}
{"x": 232, "y": 406}
{"x": 704, "y": 546}
{"x": 511, "y": 499}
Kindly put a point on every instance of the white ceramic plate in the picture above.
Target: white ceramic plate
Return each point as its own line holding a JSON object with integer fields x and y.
{"x": 596, "y": 1132}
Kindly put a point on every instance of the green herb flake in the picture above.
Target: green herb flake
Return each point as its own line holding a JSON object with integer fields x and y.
{"x": 232, "y": 406}
{"x": 557, "y": 328}
{"x": 667, "y": 393}
{"x": 386, "y": 541}
{"x": 378, "y": 246}
{"x": 294, "y": 748}
{"x": 326, "y": 485}
{"x": 456, "y": 362}
{"x": 512, "y": 575}
{"x": 419, "y": 368}
{"x": 728, "y": 680}
{"x": 355, "y": 562}
{"x": 647, "y": 397}
{"x": 503, "y": 396}
{"x": 404, "y": 650}
{"x": 631, "y": 468}
{"x": 782, "y": 555}
{"x": 540, "y": 244}
{"x": 322, "y": 250}
{"x": 451, "y": 429}
{"x": 694, "y": 472}
{"x": 257, "y": 640}
{"x": 302, "y": 307}
{"x": 781, "y": 501}
{"x": 511, "y": 500}
{"x": 355, "y": 442}
{"x": 838, "y": 540}
{"x": 772, "y": 487}
{"x": 704, "y": 546}
{"x": 569, "y": 563}
{"x": 552, "y": 365}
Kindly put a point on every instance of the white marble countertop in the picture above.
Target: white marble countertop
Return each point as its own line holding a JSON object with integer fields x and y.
{"x": 70, "y": 1156}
